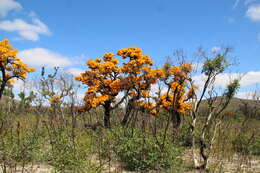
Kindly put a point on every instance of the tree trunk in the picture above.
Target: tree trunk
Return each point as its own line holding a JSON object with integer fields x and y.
{"x": 3, "y": 82}
{"x": 199, "y": 162}
{"x": 127, "y": 113}
{"x": 4, "y": 169}
{"x": 176, "y": 121}
{"x": 200, "y": 159}
{"x": 2, "y": 88}
{"x": 107, "y": 115}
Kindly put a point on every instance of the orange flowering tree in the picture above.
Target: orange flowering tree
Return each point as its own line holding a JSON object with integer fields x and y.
{"x": 139, "y": 77}
{"x": 104, "y": 81}
{"x": 135, "y": 77}
{"x": 11, "y": 66}
{"x": 178, "y": 91}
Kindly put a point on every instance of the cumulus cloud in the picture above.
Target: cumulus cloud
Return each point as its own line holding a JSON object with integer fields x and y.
{"x": 18, "y": 85}
{"x": 7, "y": 6}
{"x": 44, "y": 57}
{"x": 222, "y": 80}
{"x": 25, "y": 30}
{"x": 75, "y": 71}
{"x": 253, "y": 12}
{"x": 250, "y": 78}
{"x": 245, "y": 95}
{"x": 254, "y": 95}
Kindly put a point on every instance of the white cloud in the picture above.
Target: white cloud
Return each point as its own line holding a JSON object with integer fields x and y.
{"x": 244, "y": 95}
{"x": 255, "y": 95}
{"x": 18, "y": 85}
{"x": 7, "y": 6}
{"x": 44, "y": 57}
{"x": 32, "y": 14}
{"x": 252, "y": 77}
{"x": 25, "y": 30}
{"x": 253, "y": 12}
{"x": 224, "y": 79}
{"x": 75, "y": 71}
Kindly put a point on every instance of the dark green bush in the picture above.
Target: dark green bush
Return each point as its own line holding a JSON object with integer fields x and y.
{"x": 68, "y": 153}
{"x": 255, "y": 147}
{"x": 139, "y": 151}
{"x": 246, "y": 144}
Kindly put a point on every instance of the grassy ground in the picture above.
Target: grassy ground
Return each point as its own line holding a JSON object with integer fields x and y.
{"x": 63, "y": 142}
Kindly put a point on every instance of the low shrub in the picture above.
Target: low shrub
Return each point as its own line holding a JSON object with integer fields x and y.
{"x": 139, "y": 151}
{"x": 246, "y": 144}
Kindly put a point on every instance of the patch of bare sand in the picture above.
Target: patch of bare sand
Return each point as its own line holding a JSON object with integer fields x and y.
{"x": 235, "y": 164}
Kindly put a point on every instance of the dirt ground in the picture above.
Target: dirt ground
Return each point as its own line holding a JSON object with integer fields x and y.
{"x": 234, "y": 165}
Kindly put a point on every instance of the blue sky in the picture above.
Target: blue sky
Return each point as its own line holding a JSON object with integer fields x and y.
{"x": 68, "y": 32}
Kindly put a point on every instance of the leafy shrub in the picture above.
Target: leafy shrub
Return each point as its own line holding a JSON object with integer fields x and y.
{"x": 70, "y": 154}
{"x": 19, "y": 145}
{"x": 140, "y": 152}
{"x": 246, "y": 144}
{"x": 184, "y": 137}
{"x": 255, "y": 147}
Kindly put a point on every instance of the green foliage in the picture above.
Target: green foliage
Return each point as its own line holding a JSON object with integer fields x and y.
{"x": 184, "y": 137}
{"x": 20, "y": 145}
{"x": 8, "y": 92}
{"x": 232, "y": 89}
{"x": 67, "y": 140}
{"x": 63, "y": 156}
{"x": 255, "y": 147}
{"x": 25, "y": 101}
{"x": 47, "y": 83}
{"x": 69, "y": 153}
{"x": 246, "y": 144}
{"x": 216, "y": 65}
{"x": 139, "y": 151}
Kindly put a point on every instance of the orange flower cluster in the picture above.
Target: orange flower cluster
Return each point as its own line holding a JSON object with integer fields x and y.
{"x": 96, "y": 100}
{"x": 137, "y": 60}
{"x": 11, "y": 64}
{"x": 103, "y": 80}
{"x": 148, "y": 106}
{"x": 106, "y": 79}
{"x": 140, "y": 77}
{"x": 55, "y": 100}
{"x": 169, "y": 102}
{"x": 179, "y": 92}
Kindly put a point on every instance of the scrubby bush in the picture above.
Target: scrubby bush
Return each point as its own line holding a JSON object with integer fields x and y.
{"x": 246, "y": 143}
{"x": 20, "y": 144}
{"x": 69, "y": 151}
{"x": 139, "y": 151}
